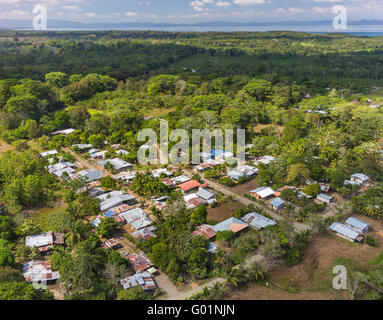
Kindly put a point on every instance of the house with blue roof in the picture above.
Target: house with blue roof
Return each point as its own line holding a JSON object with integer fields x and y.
{"x": 277, "y": 204}
{"x": 346, "y": 232}
{"x": 357, "y": 224}
{"x": 257, "y": 220}
{"x": 231, "y": 224}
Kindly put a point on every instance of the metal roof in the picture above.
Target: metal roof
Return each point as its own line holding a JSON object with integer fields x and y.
{"x": 360, "y": 176}
{"x": 38, "y": 271}
{"x": 90, "y": 175}
{"x": 263, "y": 192}
{"x": 140, "y": 262}
{"x": 277, "y": 202}
{"x": 344, "y": 230}
{"x": 231, "y": 224}
{"x": 356, "y": 223}
{"x": 136, "y": 218}
{"x": 117, "y": 163}
{"x": 144, "y": 279}
{"x": 205, "y": 231}
{"x": 48, "y": 153}
{"x": 115, "y": 201}
{"x": 204, "y": 194}
{"x": 324, "y": 196}
{"x": 257, "y": 220}
{"x": 39, "y": 240}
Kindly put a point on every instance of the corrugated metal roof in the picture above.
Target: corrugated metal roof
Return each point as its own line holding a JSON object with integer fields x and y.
{"x": 143, "y": 279}
{"x": 39, "y": 240}
{"x": 356, "y": 223}
{"x": 257, "y": 220}
{"x": 204, "y": 194}
{"x": 263, "y": 192}
{"x": 226, "y": 225}
{"x": 140, "y": 262}
{"x": 39, "y": 270}
{"x": 324, "y": 196}
{"x": 205, "y": 231}
{"x": 277, "y": 202}
{"x": 344, "y": 230}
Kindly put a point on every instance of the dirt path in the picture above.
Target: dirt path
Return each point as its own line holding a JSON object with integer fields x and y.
{"x": 298, "y": 226}
{"x": 87, "y": 164}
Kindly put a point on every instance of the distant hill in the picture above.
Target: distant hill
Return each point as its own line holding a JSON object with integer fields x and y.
{"x": 62, "y": 24}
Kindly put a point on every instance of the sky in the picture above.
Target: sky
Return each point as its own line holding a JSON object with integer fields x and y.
{"x": 191, "y": 11}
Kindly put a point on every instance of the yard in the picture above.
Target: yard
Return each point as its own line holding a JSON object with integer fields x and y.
{"x": 245, "y": 188}
{"x": 312, "y": 278}
{"x": 224, "y": 211}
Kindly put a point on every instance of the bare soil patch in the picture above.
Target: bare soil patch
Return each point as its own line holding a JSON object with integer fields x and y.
{"x": 245, "y": 188}
{"x": 313, "y": 276}
{"x": 224, "y": 211}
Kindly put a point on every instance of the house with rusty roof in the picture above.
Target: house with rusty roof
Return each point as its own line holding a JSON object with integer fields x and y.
{"x": 111, "y": 244}
{"x": 39, "y": 271}
{"x": 142, "y": 279}
{"x": 140, "y": 262}
{"x": 205, "y": 231}
{"x": 145, "y": 234}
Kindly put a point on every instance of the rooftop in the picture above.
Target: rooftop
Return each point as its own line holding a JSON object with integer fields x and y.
{"x": 257, "y": 220}
{"x": 190, "y": 185}
{"x": 231, "y": 224}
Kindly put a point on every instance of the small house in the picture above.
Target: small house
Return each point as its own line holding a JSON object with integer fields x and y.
{"x": 358, "y": 225}
{"x": 262, "y": 193}
{"x": 116, "y": 201}
{"x": 232, "y": 224}
{"x": 277, "y": 204}
{"x": 39, "y": 271}
{"x": 49, "y": 153}
{"x": 359, "y": 178}
{"x": 325, "y": 198}
{"x": 346, "y": 232}
{"x": 189, "y": 186}
{"x": 142, "y": 279}
{"x": 140, "y": 262}
{"x": 257, "y": 220}
{"x": 117, "y": 163}
{"x": 205, "y": 231}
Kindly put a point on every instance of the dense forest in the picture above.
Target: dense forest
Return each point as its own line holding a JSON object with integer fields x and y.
{"x": 305, "y": 99}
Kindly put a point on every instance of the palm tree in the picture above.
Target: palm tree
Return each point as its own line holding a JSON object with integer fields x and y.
{"x": 74, "y": 234}
{"x": 370, "y": 209}
{"x": 256, "y": 272}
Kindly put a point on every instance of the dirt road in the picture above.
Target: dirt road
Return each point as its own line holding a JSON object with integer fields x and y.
{"x": 298, "y": 226}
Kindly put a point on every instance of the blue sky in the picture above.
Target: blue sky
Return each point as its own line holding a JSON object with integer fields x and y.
{"x": 191, "y": 11}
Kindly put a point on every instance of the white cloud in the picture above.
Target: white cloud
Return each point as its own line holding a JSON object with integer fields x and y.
{"x": 250, "y": 2}
{"x": 131, "y": 14}
{"x": 224, "y": 4}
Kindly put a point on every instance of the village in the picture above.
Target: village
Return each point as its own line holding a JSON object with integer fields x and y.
{"x": 214, "y": 184}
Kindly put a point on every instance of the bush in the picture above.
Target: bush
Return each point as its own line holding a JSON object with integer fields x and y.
{"x": 226, "y": 181}
{"x": 226, "y": 235}
{"x": 370, "y": 241}
{"x": 107, "y": 227}
{"x": 312, "y": 190}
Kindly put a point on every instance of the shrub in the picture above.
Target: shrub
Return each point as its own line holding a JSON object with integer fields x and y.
{"x": 370, "y": 241}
